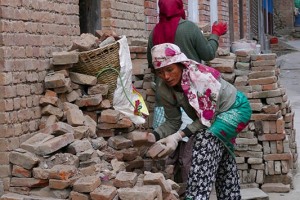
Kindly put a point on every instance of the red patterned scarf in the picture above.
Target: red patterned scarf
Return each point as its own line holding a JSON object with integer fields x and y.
{"x": 170, "y": 12}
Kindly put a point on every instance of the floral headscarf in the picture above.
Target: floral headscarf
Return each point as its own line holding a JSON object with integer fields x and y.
{"x": 199, "y": 82}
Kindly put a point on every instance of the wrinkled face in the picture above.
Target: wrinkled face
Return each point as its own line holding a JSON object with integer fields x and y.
{"x": 170, "y": 74}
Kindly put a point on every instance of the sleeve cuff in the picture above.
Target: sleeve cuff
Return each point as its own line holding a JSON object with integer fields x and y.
{"x": 187, "y": 132}
{"x": 157, "y": 136}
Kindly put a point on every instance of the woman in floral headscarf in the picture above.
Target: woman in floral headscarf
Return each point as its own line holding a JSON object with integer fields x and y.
{"x": 173, "y": 27}
{"x": 218, "y": 112}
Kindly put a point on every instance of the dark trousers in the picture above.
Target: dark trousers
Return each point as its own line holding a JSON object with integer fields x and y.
{"x": 212, "y": 164}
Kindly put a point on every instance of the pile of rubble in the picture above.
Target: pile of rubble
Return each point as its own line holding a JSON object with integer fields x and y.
{"x": 84, "y": 148}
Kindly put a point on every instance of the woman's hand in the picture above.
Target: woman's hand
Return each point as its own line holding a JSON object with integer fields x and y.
{"x": 219, "y": 28}
{"x": 171, "y": 143}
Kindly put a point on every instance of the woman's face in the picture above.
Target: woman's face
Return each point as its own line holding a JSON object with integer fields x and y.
{"x": 170, "y": 74}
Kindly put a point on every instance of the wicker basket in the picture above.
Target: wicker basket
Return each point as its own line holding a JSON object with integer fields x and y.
{"x": 93, "y": 61}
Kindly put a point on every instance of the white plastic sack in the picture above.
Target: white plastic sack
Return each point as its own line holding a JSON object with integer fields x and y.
{"x": 243, "y": 44}
{"x": 121, "y": 99}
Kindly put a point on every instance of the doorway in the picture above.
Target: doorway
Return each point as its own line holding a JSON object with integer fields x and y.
{"x": 89, "y": 16}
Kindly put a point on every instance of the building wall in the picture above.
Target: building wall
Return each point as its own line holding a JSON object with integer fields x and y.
{"x": 283, "y": 16}
{"x": 150, "y": 14}
{"x": 128, "y": 17}
{"x": 223, "y": 15}
{"x": 236, "y": 20}
{"x": 246, "y": 21}
{"x": 29, "y": 32}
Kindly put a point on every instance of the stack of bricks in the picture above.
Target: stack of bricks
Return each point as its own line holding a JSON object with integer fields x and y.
{"x": 84, "y": 149}
{"x": 266, "y": 149}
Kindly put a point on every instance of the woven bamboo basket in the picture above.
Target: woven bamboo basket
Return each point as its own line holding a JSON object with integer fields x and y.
{"x": 100, "y": 59}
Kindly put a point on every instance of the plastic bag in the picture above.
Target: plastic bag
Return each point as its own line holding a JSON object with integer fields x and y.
{"x": 140, "y": 107}
{"x": 125, "y": 98}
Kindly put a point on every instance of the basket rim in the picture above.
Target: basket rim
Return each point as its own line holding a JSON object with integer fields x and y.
{"x": 100, "y": 48}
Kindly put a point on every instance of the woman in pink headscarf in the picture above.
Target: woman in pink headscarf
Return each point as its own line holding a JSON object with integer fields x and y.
{"x": 174, "y": 28}
{"x": 218, "y": 112}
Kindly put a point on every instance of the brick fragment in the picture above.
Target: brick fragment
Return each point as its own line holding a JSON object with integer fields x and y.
{"x": 54, "y": 144}
{"x": 51, "y": 110}
{"x": 271, "y": 137}
{"x": 23, "y": 158}
{"x": 83, "y": 79}
{"x": 104, "y": 192}
{"x": 141, "y": 138}
{"x": 263, "y": 81}
{"x": 286, "y": 156}
{"x": 109, "y": 116}
{"x": 85, "y": 42}
{"x": 64, "y": 57}
{"x": 54, "y": 80}
{"x": 62, "y": 172}
{"x": 125, "y": 179}
{"x": 79, "y": 196}
{"x": 28, "y": 182}
{"x": 98, "y": 89}
{"x": 59, "y": 184}
{"x": 119, "y": 142}
{"x": 75, "y": 117}
{"x": 268, "y": 56}
{"x": 79, "y": 146}
{"x": 89, "y": 100}
{"x": 40, "y": 173}
{"x": 20, "y": 172}
{"x": 142, "y": 192}
{"x": 58, "y": 128}
{"x": 31, "y": 143}
{"x": 157, "y": 179}
{"x": 275, "y": 187}
{"x": 86, "y": 184}
{"x": 223, "y": 65}
{"x": 155, "y": 149}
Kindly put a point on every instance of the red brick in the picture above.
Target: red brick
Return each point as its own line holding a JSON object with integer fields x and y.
{"x": 271, "y": 137}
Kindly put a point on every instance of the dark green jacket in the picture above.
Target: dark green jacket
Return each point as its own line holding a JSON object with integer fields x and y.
{"x": 192, "y": 42}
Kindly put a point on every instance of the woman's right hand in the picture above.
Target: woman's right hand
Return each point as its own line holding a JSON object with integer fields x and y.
{"x": 219, "y": 28}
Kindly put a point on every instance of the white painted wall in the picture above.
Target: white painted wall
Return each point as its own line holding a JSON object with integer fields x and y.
{"x": 193, "y": 11}
{"x": 213, "y": 11}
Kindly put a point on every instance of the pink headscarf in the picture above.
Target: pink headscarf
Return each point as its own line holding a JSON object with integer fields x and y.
{"x": 199, "y": 82}
{"x": 170, "y": 12}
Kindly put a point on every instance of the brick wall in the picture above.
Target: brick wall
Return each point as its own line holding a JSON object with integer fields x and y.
{"x": 246, "y": 20}
{"x": 128, "y": 18}
{"x": 29, "y": 32}
{"x": 150, "y": 14}
{"x": 283, "y": 16}
{"x": 236, "y": 20}
{"x": 223, "y": 11}
{"x": 204, "y": 11}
